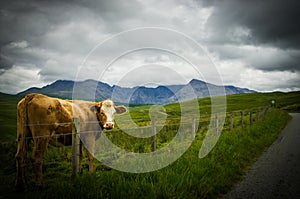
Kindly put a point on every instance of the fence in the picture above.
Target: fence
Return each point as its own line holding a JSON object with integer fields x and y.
{"x": 253, "y": 116}
{"x": 161, "y": 133}
{"x": 194, "y": 124}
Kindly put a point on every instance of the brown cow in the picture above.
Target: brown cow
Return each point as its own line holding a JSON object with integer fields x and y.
{"x": 49, "y": 120}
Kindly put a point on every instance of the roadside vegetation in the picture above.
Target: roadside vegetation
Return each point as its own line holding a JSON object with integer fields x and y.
{"x": 188, "y": 177}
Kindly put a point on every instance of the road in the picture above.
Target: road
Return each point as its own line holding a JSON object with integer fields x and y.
{"x": 276, "y": 174}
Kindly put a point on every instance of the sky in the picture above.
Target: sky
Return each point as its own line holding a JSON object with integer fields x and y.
{"x": 252, "y": 44}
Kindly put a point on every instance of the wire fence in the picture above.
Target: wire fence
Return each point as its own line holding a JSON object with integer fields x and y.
{"x": 148, "y": 137}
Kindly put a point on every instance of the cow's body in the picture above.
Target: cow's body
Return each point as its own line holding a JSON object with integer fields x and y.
{"x": 49, "y": 120}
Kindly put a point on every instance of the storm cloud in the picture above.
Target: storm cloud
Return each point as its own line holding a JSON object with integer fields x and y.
{"x": 49, "y": 40}
{"x": 270, "y": 22}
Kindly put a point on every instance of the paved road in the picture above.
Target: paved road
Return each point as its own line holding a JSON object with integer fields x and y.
{"x": 276, "y": 174}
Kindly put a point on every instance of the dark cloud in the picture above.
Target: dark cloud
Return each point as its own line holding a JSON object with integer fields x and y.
{"x": 271, "y": 28}
{"x": 23, "y": 26}
{"x": 270, "y": 22}
{"x": 20, "y": 20}
{"x": 61, "y": 26}
{"x": 50, "y": 39}
{"x": 262, "y": 58}
{"x": 21, "y": 53}
{"x": 5, "y": 62}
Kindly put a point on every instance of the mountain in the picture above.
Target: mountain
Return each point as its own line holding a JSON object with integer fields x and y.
{"x": 61, "y": 88}
{"x": 91, "y": 89}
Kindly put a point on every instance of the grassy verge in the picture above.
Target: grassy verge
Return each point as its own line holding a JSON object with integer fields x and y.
{"x": 8, "y": 116}
{"x": 188, "y": 177}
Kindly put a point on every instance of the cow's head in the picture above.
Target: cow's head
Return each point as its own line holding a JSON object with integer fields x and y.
{"x": 105, "y": 111}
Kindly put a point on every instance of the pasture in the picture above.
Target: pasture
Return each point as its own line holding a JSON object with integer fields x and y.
{"x": 187, "y": 177}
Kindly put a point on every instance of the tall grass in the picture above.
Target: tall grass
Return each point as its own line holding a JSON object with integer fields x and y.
{"x": 187, "y": 177}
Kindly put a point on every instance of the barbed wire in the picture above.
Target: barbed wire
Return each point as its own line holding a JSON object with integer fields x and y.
{"x": 183, "y": 120}
{"x": 131, "y": 143}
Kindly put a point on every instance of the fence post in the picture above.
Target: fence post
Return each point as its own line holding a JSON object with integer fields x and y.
{"x": 242, "y": 118}
{"x": 257, "y": 115}
{"x": 194, "y": 127}
{"x": 153, "y": 144}
{"x": 231, "y": 122}
{"x": 264, "y": 111}
{"x": 217, "y": 123}
{"x": 75, "y": 146}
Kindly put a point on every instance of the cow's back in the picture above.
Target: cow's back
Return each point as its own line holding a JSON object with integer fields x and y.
{"x": 49, "y": 117}
{"x": 47, "y": 110}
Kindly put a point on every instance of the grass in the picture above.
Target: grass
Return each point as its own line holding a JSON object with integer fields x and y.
{"x": 187, "y": 177}
{"x": 8, "y": 116}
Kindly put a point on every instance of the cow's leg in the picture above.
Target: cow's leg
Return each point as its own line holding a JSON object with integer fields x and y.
{"x": 81, "y": 157}
{"x": 90, "y": 156}
{"x": 21, "y": 164}
{"x": 40, "y": 145}
{"x": 90, "y": 153}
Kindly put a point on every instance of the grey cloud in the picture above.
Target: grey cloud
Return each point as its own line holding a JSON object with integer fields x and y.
{"x": 151, "y": 76}
{"x": 263, "y": 58}
{"x": 5, "y": 62}
{"x": 22, "y": 21}
{"x": 286, "y": 85}
{"x": 113, "y": 9}
{"x": 276, "y": 60}
{"x": 273, "y": 27}
{"x": 271, "y": 22}
{"x": 33, "y": 32}
{"x": 20, "y": 53}
{"x": 61, "y": 68}
{"x": 62, "y": 26}
{"x": 53, "y": 37}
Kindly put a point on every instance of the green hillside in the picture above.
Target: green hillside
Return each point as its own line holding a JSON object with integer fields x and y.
{"x": 8, "y": 116}
{"x": 187, "y": 177}
{"x": 235, "y": 103}
{"x": 286, "y": 101}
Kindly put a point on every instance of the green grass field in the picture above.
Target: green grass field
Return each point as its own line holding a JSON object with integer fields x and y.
{"x": 187, "y": 177}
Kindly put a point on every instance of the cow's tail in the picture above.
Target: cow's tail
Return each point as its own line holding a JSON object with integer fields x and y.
{"x": 22, "y": 117}
{"x": 23, "y": 136}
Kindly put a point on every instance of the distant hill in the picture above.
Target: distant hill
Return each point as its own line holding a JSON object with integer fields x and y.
{"x": 91, "y": 89}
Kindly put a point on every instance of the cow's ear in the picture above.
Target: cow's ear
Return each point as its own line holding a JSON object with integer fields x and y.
{"x": 120, "y": 109}
{"x": 96, "y": 108}
{"x": 93, "y": 108}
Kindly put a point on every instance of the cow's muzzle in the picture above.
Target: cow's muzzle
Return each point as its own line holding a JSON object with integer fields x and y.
{"x": 109, "y": 125}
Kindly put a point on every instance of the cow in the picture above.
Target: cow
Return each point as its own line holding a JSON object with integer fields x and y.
{"x": 47, "y": 120}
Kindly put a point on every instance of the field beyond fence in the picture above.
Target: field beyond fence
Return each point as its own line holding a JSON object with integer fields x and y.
{"x": 161, "y": 133}
{"x": 245, "y": 135}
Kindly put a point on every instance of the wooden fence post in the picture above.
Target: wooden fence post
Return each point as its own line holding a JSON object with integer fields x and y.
{"x": 194, "y": 127}
{"x": 153, "y": 144}
{"x": 257, "y": 115}
{"x": 75, "y": 146}
{"x": 242, "y": 118}
{"x": 264, "y": 111}
{"x": 217, "y": 123}
{"x": 231, "y": 122}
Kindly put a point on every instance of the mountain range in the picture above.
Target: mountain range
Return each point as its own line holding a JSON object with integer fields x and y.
{"x": 91, "y": 89}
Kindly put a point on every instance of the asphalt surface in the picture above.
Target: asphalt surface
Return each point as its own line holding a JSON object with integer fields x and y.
{"x": 276, "y": 174}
